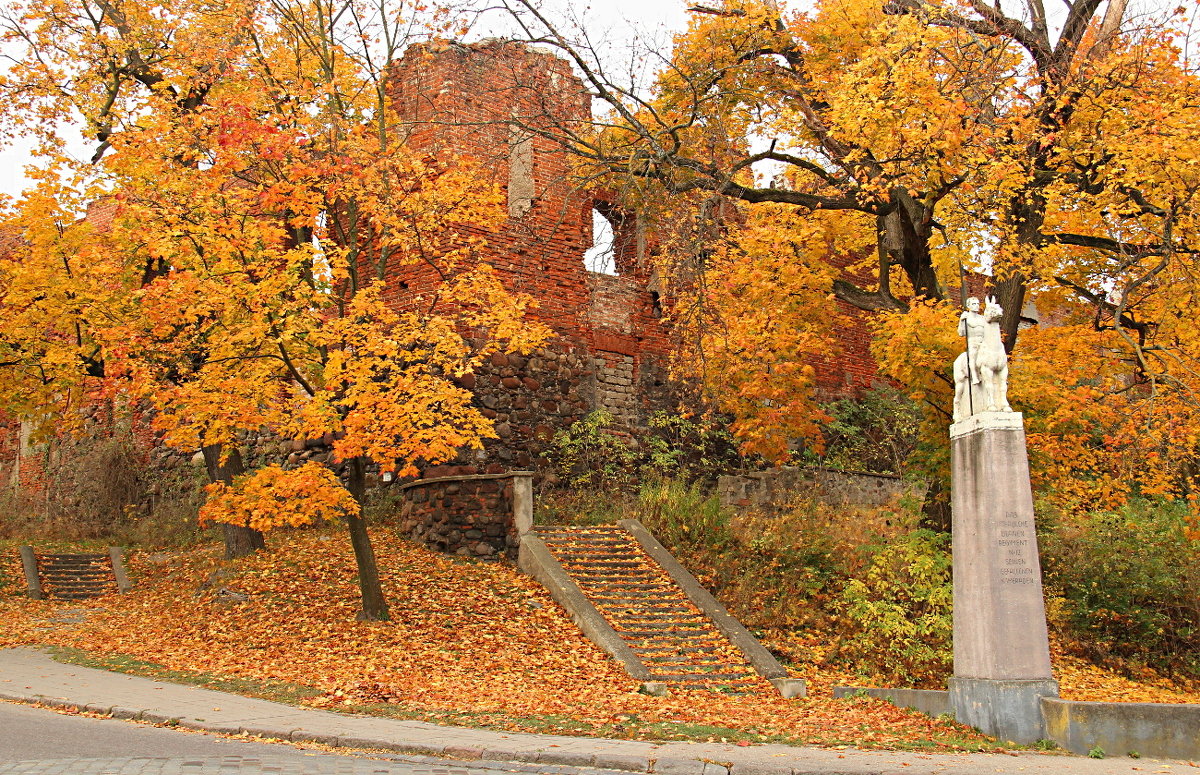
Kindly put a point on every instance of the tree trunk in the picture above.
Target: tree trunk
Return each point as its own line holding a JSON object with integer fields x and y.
{"x": 239, "y": 541}
{"x": 374, "y": 607}
{"x": 1010, "y": 292}
{"x": 935, "y": 511}
{"x": 907, "y": 240}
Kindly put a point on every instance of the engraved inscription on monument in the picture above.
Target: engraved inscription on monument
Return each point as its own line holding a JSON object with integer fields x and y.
{"x": 1016, "y": 550}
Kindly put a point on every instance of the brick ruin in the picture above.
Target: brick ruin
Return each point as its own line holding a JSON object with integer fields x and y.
{"x": 609, "y": 348}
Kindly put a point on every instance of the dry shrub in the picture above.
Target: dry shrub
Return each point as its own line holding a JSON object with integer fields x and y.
{"x": 103, "y": 489}
{"x": 779, "y": 573}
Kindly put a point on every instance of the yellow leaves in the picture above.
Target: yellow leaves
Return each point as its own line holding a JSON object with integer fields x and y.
{"x": 917, "y": 347}
{"x": 271, "y": 497}
{"x": 757, "y": 322}
{"x": 474, "y": 642}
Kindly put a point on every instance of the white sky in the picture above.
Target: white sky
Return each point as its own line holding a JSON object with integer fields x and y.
{"x": 618, "y": 24}
{"x": 619, "y": 28}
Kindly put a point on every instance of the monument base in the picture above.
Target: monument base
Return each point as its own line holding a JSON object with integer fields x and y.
{"x": 1008, "y": 709}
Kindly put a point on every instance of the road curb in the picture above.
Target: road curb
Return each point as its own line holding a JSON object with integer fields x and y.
{"x": 614, "y": 761}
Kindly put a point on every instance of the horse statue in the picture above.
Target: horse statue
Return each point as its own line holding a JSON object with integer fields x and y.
{"x": 981, "y": 373}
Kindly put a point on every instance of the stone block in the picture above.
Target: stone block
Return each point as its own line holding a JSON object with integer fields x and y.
{"x": 568, "y": 758}
{"x": 790, "y": 688}
{"x": 999, "y": 613}
{"x": 678, "y": 766}
{"x": 1009, "y": 710}
{"x": 621, "y": 761}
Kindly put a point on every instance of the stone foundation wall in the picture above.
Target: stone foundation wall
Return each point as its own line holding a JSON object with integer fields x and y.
{"x": 777, "y": 487}
{"x": 473, "y": 515}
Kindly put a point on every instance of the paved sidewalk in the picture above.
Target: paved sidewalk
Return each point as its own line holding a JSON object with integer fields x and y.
{"x": 31, "y": 676}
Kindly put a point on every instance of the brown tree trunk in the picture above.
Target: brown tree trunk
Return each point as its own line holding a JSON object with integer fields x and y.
{"x": 1010, "y": 292}
{"x": 239, "y": 541}
{"x": 935, "y": 511}
{"x": 907, "y": 240}
{"x": 374, "y": 606}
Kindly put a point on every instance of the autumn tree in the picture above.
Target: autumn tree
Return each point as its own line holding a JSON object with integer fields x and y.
{"x": 890, "y": 147}
{"x": 259, "y": 221}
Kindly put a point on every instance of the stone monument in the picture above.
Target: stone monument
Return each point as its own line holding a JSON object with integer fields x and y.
{"x": 1001, "y": 649}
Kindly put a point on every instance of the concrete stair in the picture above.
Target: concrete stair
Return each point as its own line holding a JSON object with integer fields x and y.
{"x": 656, "y": 620}
{"x": 73, "y": 576}
{"x": 76, "y": 576}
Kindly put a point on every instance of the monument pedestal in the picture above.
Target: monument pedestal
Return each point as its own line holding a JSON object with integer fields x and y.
{"x": 1001, "y": 648}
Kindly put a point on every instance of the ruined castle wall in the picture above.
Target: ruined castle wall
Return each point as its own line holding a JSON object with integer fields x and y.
{"x": 489, "y": 102}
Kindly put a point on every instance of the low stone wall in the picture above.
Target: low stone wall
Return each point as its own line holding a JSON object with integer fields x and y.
{"x": 1150, "y": 729}
{"x": 776, "y": 487}
{"x": 473, "y": 515}
{"x": 1156, "y": 730}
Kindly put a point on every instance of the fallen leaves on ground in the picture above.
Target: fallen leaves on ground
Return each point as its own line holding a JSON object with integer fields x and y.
{"x": 468, "y": 640}
{"x": 1081, "y": 680}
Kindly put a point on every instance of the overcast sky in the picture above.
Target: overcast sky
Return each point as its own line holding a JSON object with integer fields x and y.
{"x": 619, "y": 23}
{"x": 616, "y": 27}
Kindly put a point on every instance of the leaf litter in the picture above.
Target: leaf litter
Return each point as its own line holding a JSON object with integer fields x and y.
{"x": 469, "y": 642}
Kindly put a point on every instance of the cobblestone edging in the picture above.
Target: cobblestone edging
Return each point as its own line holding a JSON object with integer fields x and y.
{"x": 328, "y": 764}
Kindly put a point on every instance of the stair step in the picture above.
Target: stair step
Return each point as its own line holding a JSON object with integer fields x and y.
{"x": 76, "y": 585}
{"x": 674, "y": 639}
{"x": 622, "y": 612}
{"x": 652, "y": 637}
{"x": 704, "y": 676}
{"x": 596, "y": 565}
{"x": 641, "y": 590}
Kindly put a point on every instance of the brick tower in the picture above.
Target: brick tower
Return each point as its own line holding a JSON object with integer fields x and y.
{"x": 490, "y": 101}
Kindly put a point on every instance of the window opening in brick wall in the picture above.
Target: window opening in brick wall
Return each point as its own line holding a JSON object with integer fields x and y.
{"x": 601, "y": 257}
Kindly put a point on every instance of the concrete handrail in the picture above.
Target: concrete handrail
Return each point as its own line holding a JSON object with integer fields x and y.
{"x": 33, "y": 581}
{"x": 536, "y": 560}
{"x": 118, "y": 565}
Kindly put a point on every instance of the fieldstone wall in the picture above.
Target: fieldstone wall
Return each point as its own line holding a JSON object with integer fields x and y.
{"x": 615, "y": 390}
{"x": 471, "y": 515}
{"x": 529, "y": 398}
{"x": 775, "y": 488}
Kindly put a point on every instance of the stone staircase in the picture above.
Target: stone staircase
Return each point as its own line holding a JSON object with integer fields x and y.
{"x": 674, "y": 639}
{"x": 653, "y": 616}
{"x": 73, "y": 576}
{"x": 76, "y": 576}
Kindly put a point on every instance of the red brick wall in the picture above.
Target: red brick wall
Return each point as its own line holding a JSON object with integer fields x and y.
{"x": 487, "y": 101}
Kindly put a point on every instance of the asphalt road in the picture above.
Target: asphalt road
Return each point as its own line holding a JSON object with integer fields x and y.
{"x": 42, "y": 742}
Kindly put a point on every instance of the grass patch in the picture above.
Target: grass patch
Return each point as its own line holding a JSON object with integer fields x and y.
{"x": 275, "y": 691}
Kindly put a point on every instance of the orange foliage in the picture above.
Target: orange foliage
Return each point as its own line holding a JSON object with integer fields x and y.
{"x": 468, "y": 640}
{"x": 272, "y": 497}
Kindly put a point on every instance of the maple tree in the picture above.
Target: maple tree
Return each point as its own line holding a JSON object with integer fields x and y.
{"x": 263, "y": 197}
{"x": 876, "y": 151}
